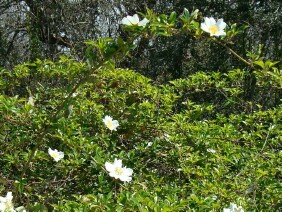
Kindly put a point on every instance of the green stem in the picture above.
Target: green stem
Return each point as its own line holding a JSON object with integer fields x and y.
{"x": 233, "y": 52}
{"x": 225, "y": 46}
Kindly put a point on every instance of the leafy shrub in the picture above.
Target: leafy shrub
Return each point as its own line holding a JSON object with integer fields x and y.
{"x": 195, "y": 144}
{"x": 197, "y": 156}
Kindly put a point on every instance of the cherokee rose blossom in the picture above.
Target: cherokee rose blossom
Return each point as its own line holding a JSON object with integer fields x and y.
{"x": 55, "y": 154}
{"x": 233, "y": 208}
{"x": 110, "y": 123}
{"x": 6, "y": 202}
{"x": 134, "y": 20}
{"x": 118, "y": 172}
{"x": 213, "y": 27}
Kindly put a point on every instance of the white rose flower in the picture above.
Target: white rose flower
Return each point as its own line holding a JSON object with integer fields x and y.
{"x": 213, "y": 27}
{"x": 110, "y": 123}
{"x": 233, "y": 208}
{"x": 118, "y": 172}
{"x": 6, "y": 204}
{"x": 134, "y": 20}
{"x": 149, "y": 144}
{"x": 55, "y": 154}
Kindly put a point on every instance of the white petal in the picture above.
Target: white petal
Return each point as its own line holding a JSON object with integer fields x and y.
{"x": 115, "y": 124}
{"x": 61, "y": 155}
{"x": 125, "y": 21}
{"x": 127, "y": 171}
{"x": 211, "y": 150}
{"x": 219, "y": 33}
{"x": 117, "y": 163}
{"x": 74, "y": 94}
{"x": 21, "y": 209}
{"x": 9, "y": 196}
{"x": 204, "y": 27}
{"x": 210, "y": 21}
{"x": 221, "y": 24}
{"x": 107, "y": 118}
{"x": 226, "y": 210}
{"x": 113, "y": 174}
{"x": 233, "y": 205}
{"x": 30, "y": 101}
{"x": 109, "y": 167}
{"x": 149, "y": 144}
{"x": 2, "y": 206}
{"x": 207, "y": 21}
{"x": 143, "y": 22}
{"x": 2, "y": 199}
{"x": 50, "y": 151}
{"x": 240, "y": 209}
{"x": 125, "y": 178}
{"x": 133, "y": 19}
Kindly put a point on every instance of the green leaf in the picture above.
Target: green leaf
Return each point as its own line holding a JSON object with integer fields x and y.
{"x": 260, "y": 63}
{"x": 172, "y": 18}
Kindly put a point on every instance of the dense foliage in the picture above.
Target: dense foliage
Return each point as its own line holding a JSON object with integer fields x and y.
{"x": 185, "y": 154}
{"x": 196, "y": 143}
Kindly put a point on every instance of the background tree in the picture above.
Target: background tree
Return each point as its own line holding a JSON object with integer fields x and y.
{"x": 33, "y": 29}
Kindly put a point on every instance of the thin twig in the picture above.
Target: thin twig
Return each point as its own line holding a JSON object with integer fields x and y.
{"x": 270, "y": 127}
{"x": 233, "y": 52}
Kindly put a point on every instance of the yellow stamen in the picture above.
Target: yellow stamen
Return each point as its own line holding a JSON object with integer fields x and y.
{"x": 54, "y": 155}
{"x": 118, "y": 171}
{"x": 213, "y": 29}
{"x": 109, "y": 124}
